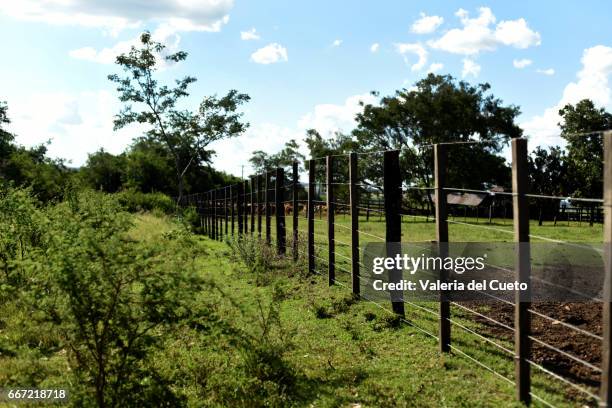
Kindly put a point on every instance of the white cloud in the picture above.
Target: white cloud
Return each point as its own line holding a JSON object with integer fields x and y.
{"x": 249, "y": 35}
{"x": 435, "y": 67}
{"x": 270, "y": 54}
{"x": 337, "y": 43}
{"x": 522, "y": 63}
{"x": 426, "y": 24}
{"x": 114, "y": 16}
{"x": 76, "y": 124}
{"x": 413, "y": 48}
{"x": 164, "y": 34}
{"x": 516, "y": 33}
{"x": 478, "y": 35}
{"x": 267, "y": 137}
{"x": 592, "y": 83}
{"x": 330, "y": 118}
{"x": 374, "y": 47}
{"x": 548, "y": 71}
{"x": 470, "y": 67}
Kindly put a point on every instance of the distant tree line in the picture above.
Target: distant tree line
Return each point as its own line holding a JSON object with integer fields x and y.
{"x": 440, "y": 109}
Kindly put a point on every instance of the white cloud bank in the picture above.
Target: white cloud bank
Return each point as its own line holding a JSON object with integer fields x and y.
{"x": 337, "y": 43}
{"x": 108, "y": 55}
{"x": 592, "y": 82}
{"x": 270, "y": 54}
{"x": 76, "y": 124}
{"x": 478, "y": 35}
{"x": 426, "y": 24}
{"x": 114, "y": 16}
{"x": 374, "y": 47}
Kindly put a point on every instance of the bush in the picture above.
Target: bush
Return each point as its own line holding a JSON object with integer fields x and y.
{"x": 108, "y": 300}
{"x": 135, "y": 201}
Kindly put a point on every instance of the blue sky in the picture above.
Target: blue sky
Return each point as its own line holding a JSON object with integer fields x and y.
{"x": 307, "y": 64}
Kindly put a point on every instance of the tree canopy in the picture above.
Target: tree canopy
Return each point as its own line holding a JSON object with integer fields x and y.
{"x": 184, "y": 133}
{"x": 439, "y": 109}
{"x": 580, "y": 127}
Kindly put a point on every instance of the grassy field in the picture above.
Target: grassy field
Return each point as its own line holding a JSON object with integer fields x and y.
{"x": 283, "y": 338}
{"x": 422, "y": 317}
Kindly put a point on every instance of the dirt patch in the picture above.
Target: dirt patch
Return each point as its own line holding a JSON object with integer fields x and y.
{"x": 585, "y": 316}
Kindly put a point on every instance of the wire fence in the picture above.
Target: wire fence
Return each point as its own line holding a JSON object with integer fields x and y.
{"x": 334, "y": 216}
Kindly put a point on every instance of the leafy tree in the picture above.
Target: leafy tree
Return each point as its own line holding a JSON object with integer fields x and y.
{"x": 263, "y": 162}
{"x": 185, "y": 134}
{"x": 579, "y": 127}
{"x": 104, "y": 171}
{"x": 440, "y": 110}
{"x": 547, "y": 174}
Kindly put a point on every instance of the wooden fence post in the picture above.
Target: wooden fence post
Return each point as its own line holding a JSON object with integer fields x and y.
{"x": 331, "y": 264}
{"x": 440, "y": 156}
{"x": 201, "y": 202}
{"x": 214, "y": 214}
{"x": 245, "y": 207}
{"x": 268, "y": 208}
{"x": 259, "y": 199}
{"x": 311, "y": 192}
{"x": 252, "y": 205}
{"x": 295, "y": 214}
{"x": 522, "y": 324}
{"x": 232, "y": 201}
{"x": 209, "y": 218}
{"x": 240, "y": 209}
{"x": 353, "y": 178}
{"x": 392, "y": 190}
{"x": 225, "y": 212}
{"x": 605, "y": 391}
{"x": 281, "y": 237}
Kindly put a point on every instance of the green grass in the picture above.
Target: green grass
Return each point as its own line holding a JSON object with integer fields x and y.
{"x": 340, "y": 352}
{"x": 400, "y": 366}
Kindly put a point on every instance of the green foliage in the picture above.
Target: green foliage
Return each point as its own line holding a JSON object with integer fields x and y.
{"x": 584, "y": 149}
{"x": 263, "y": 162}
{"x": 30, "y": 167}
{"x": 184, "y": 134}
{"x": 109, "y": 297}
{"x": 136, "y": 201}
{"x": 104, "y": 171}
{"x": 440, "y": 110}
{"x": 21, "y": 231}
{"x": 258, "y": 257}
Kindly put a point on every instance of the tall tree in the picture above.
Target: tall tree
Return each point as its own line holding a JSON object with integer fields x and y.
{"x": 439, "y": 110}
{"x": 580, "y": 127}
{"x": 262, "y": 162}
{"x": 184, "y": 133}
{"x": 548, "y": 175}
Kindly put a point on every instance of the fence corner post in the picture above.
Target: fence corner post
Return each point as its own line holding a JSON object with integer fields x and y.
{"x": 522, "y": 321}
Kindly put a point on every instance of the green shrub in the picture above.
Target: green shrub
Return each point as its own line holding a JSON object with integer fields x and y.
{"x": 108, "y": 299}
{"x": 135, "y": 201}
